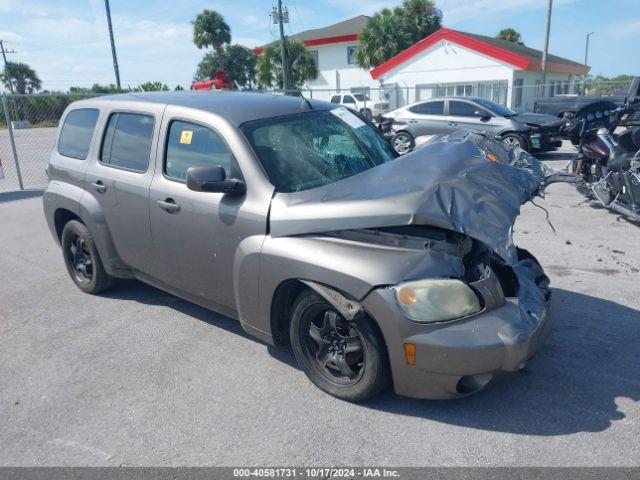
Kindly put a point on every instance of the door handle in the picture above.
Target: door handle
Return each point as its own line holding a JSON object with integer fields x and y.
{"x": 99, "y": 186}
{"x": 169, "y": 205}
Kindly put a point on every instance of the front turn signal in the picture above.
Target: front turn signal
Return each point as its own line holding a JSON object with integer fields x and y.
{"x": 410, "y": 353}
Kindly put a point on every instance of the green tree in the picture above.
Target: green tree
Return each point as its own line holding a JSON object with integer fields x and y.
{"x": 510, "y": 35}
{"x": 302, "y": 66}
{"x": 179, "y": 88}
{"x": 97, "y": 88}
{"x": 420, "y": 18}
{"x": 156, "y": 86}
{"x": 237, "y": 61}
{"x": 210, "y": 30}
{"x": 389, "y": 32}
{"x": 21, "y": 77}
{"x": 382, "y": 38}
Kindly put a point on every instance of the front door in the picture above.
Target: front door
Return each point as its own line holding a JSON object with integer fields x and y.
{"x": 462, "y": 114}
{"x": 196, "y": 234}
{"x": 119, "y": 180}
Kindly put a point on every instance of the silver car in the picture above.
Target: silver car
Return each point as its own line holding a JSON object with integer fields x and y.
{"x": 529, "y": 131}
{"x": 294, "y": 217}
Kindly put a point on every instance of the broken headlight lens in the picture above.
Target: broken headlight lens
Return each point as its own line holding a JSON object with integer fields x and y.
{"x": 436, "y": 300}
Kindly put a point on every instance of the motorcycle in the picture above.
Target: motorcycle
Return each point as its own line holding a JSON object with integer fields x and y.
{"x": 608, "y": 163}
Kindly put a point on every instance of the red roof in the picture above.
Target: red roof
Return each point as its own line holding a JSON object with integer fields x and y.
{"x": 515, "y": 54}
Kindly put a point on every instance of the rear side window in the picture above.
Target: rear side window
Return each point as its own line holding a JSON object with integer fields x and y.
{"x": 429, "y": 108}
{"x": 127, "y": 141}
{"x": 75, "y": 138}
{"x": 191, "y": 145}
{"x": 335, "y": 99}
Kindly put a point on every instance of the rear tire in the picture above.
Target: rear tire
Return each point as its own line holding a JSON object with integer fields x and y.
{"x": 346, "y": 359}
{"x": 402, "y": 143}
{"x": 82, "y": 259}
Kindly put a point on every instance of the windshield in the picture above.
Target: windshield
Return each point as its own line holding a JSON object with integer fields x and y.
{"x": 312, "y": 149}
{"x": 495, "y": 108}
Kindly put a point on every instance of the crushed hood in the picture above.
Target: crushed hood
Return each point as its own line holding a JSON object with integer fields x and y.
{"x": 465, "y": 182}
{"x": 539, "y": 119}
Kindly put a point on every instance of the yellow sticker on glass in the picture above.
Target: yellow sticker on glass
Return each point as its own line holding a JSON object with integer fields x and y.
{"x": 186, "y": 136}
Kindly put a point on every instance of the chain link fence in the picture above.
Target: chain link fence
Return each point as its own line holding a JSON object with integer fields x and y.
{"x": 28, "y": 127}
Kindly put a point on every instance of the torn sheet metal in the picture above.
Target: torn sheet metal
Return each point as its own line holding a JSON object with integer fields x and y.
{"x": 465, "y": 182}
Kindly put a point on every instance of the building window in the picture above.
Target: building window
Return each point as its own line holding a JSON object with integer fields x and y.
{"x": 539, "y": 89}
{"x": 351, "y": 55}
{"x": 464, "y": 90}
{"x": 518, "y": 84}
{"x": 314, "y": 54}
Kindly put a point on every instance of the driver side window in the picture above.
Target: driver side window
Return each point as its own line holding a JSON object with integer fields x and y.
{"x": 192, "y": 145}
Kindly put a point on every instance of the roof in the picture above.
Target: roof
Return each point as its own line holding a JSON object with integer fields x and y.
{"x": 236, "y": 107}
{"x": 345, "y": 31}
{"x": 518, "y": 55}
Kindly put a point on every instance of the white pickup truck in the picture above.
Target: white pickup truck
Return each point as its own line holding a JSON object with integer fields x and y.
{"x": 361, "y": 103}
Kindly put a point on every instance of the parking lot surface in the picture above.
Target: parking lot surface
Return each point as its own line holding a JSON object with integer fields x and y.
{"x": 139, "y": 377}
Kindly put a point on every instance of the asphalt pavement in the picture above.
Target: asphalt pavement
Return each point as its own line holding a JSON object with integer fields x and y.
{"x": 139, "y": 377}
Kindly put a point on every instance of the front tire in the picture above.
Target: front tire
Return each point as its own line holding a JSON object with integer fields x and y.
{"x": 346, "y": 359}
{"x": 82, "y": 259}
{"x": 403, "y": 142}
{"x": 514, "y": 140}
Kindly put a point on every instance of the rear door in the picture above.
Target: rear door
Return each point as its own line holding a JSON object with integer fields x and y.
{"x": 462, "y": 114}
{"x": 427, "y": 118}
{"x": 119, "y": 180}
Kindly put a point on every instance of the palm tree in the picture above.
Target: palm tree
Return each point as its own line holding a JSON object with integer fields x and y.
{"x": 302, "y": 66}
{"x": 510, "y": 35}
{"x": 210, "y": 30}
{"x": 21, "y": 77}
{"x": 382, "y": 38}
{"x": 420, "y": 19}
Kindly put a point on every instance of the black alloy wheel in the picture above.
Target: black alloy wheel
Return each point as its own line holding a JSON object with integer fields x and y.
{"x": 345, "y": 358}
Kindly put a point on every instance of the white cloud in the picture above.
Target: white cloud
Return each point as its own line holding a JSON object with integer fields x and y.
{"x": 10, "y": 36}
{"x": 631, "y": 28}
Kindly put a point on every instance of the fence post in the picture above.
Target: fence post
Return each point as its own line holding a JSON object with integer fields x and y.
{"x": 7, "y": 116}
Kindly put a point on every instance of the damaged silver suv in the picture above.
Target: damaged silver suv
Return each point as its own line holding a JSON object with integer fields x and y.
{"x": 294, "y": 217}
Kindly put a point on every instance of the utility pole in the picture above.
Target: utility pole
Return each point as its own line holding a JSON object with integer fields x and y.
{"x": 586, "y": 56}
{"x": 113, "y": 45}
{"x": 281, "y": 18}
{"x": 6, "y": 68}
{"x": 546, "y": 47}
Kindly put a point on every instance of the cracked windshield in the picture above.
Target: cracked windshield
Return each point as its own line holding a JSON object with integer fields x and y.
{"x": 312, "y": 149}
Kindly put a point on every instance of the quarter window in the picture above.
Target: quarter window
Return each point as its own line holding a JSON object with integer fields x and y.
{"x": 191, "y": 145}
{"x": 127, "y": 141}
{"x": 77, "y": 131}
{"x": 429, "y": 108}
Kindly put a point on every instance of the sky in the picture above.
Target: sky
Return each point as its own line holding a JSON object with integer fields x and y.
{"x": 67, "y": 42}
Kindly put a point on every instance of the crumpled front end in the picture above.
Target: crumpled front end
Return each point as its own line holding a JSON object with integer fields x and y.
{"x": 465, "y": 183}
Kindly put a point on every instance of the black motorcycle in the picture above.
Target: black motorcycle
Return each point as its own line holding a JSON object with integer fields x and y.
{"x": 608, "y": 163}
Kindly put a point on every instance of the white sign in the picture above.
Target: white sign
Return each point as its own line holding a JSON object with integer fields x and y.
{"x": 348, "y": 117}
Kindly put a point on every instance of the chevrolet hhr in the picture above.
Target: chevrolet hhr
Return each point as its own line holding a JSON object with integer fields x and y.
{"x": 294, "y": 217}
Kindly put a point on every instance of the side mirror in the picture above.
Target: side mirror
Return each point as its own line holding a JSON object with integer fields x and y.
{"x": 484, "y": 115}
{"x": 213, "y": 179}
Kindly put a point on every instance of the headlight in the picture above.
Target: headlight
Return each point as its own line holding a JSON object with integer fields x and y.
{"x": 436, "y": 300}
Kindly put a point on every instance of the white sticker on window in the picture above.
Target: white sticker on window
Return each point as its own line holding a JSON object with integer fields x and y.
{"x": 348, "y": 117}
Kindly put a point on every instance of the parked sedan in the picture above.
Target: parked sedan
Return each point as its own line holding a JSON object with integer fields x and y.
{"x": 294, "y": 217}
{"x": 529, "y": 131}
